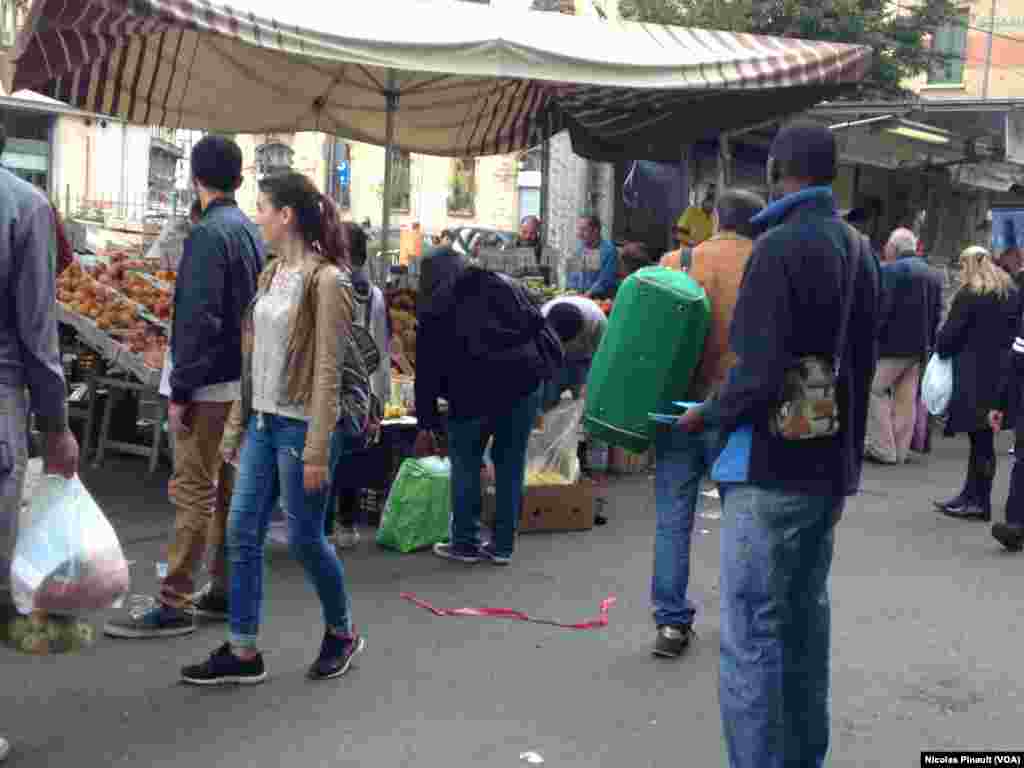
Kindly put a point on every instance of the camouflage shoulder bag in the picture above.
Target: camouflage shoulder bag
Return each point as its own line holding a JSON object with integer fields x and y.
{"x": 810, "y": 404}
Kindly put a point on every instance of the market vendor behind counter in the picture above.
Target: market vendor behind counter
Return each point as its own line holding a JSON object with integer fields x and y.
{"x": 594, "y": 271}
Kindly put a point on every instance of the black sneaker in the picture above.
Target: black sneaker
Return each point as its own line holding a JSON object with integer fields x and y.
{"x": 224, "y": 668}
{"x": 158, "y": 621}
{"x": 672, "y": 641}
{"x": 210, "y": 605}
{"x": 490, "y": 555}
{"x": 447, "y": 551}
{"x": 336, "y": 654}
{"x": 972, "y": 511}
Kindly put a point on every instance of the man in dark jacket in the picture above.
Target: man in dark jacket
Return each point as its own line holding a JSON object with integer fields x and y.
{"x": 476, "y": 347}
{"x": 782, "y": 498}
{"x": 216, "y": 282}
{"x": 912, "y": 309}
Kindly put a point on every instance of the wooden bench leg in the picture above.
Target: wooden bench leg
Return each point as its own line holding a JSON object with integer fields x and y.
{"x": 113, "y": 396}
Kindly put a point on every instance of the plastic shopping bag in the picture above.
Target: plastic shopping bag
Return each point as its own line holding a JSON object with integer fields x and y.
{"x": 552, "y": 453}
{"x": 416, "y": 514}
{"x": 68, "y": 560}
{"x": 937, "y": 385}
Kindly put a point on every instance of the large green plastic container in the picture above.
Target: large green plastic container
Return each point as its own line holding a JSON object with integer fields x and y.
{"x": 647, "y": 356}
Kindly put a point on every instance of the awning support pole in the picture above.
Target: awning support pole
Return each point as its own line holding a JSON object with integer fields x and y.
{"x": 391, "y": 107}
{"x": 545, "y": 214}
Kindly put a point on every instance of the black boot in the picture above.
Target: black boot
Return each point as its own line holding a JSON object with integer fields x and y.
{"x": 961, "y": 501}
{"x": 979, "y": 507}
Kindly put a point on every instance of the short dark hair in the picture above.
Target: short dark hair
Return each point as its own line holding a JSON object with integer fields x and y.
{"x": 566, "y": 320}
{"x": 735, "y": 208}
{"x": 217, "y": 163}
{"x": 356, "y": 244}
{"x": 449, "y": 233}
{"x": 805, "y": 149}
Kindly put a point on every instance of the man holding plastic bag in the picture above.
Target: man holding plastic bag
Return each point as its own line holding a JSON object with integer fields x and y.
{"x": 29, "y": 359}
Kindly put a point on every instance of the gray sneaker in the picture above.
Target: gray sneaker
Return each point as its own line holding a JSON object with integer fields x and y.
{"x": 672, "y": 641}
{"x": 158, "y": 621}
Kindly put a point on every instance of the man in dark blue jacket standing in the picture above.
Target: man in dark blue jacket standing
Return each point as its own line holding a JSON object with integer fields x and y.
{"x": 783, "y": 497}
{"x": 912, "y": 310}
{"x": 216, "y": 283}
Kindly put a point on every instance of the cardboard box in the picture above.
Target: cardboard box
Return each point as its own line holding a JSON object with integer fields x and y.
{"x": 550, "y": 508}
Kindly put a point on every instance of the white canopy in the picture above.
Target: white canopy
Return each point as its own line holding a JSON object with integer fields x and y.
{"x": 463, "y": 78}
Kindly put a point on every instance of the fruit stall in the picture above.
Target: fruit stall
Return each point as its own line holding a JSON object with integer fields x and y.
{"x": 116, "y": 311}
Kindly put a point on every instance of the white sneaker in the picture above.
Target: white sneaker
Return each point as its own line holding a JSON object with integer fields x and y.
{"x": 346, "y": 538}
{"x": 5, "y": 749}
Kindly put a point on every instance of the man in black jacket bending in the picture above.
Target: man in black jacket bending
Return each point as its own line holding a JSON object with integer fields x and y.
{"x": 783, "y": 497}
{"x": 216, "y": 282}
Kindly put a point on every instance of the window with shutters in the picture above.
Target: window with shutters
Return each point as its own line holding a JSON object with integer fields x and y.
{"x": 949, "y": 43}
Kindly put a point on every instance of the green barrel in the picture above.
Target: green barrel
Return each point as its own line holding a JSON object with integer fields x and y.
{"x": 647, "y": 357}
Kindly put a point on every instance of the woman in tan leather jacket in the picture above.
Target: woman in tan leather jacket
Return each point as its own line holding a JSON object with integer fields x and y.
{"x": 303, "y": 402}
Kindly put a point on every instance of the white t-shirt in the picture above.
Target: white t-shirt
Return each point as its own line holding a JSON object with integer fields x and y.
{"x": 227, "y": 392}
{"x": 272, "y": 318}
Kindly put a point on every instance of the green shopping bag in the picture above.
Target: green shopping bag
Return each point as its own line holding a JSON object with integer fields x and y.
{"x": 416, "y": 513}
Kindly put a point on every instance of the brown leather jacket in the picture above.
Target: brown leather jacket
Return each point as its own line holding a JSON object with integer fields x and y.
{"x": 313, "y": 373}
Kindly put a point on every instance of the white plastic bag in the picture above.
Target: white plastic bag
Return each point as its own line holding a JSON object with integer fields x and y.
{"x": 937, "y": 385}
{"x": 552, "y": 454}
{"x": 68, "y": 560}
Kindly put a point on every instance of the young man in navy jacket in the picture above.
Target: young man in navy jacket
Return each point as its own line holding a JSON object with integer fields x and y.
{"x": 216, "y": 283}
{"x": 782, "y": 498}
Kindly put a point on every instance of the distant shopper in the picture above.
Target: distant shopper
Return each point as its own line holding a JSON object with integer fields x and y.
{"x": 595, "y": 252}
{"x": 65, "y": 255}
{"x": 223, "y": 256}
{"x": 304, "y": 407}
{"x": 783, "y": 495}
{"x": 977, "y": 336}
{"x": 682, "y": 458}
{"x": 1011, "y": 532}
{"x": 31, "y": 375}
{"x": 529, "y": 231}
{"x": 371, "y": 311}
{"x": 695, "y": 225}
{"x": 912, "y": 310}
{"x": 478, "y": 346}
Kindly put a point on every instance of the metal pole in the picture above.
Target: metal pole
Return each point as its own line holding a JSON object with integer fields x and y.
{"x": 545, "y": 193}
{"x": 391, "y": 106}
{"x": 988, "y": 50}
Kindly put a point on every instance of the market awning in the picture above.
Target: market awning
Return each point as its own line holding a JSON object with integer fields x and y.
{"x": 466, "y": 79}
{"x": 895, "y": 143}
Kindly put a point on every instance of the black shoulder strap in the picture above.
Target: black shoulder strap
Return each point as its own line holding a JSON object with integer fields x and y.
{"x": 856, "y": 242}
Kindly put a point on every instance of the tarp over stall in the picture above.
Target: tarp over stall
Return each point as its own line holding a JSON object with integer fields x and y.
{"x": 466, "y": 79}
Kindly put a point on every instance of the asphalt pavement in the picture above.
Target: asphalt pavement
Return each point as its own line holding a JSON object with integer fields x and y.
{"x": 926, "y": 651}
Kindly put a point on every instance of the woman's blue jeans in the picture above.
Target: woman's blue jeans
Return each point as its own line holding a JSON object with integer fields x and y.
{"x": 271, "y": 467}
{"x": 511, "y": 429}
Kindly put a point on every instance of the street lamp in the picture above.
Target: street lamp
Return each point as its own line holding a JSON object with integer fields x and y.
{"x": 273, "y": 157}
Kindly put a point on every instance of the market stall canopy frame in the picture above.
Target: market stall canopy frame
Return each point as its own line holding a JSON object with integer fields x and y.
{"x": 466, "y": 79}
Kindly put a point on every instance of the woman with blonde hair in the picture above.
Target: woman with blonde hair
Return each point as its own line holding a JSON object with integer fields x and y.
{"x": 977, "y": 336}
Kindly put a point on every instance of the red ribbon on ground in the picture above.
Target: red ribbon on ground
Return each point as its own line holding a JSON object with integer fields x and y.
{"x": 508, "y": 613}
